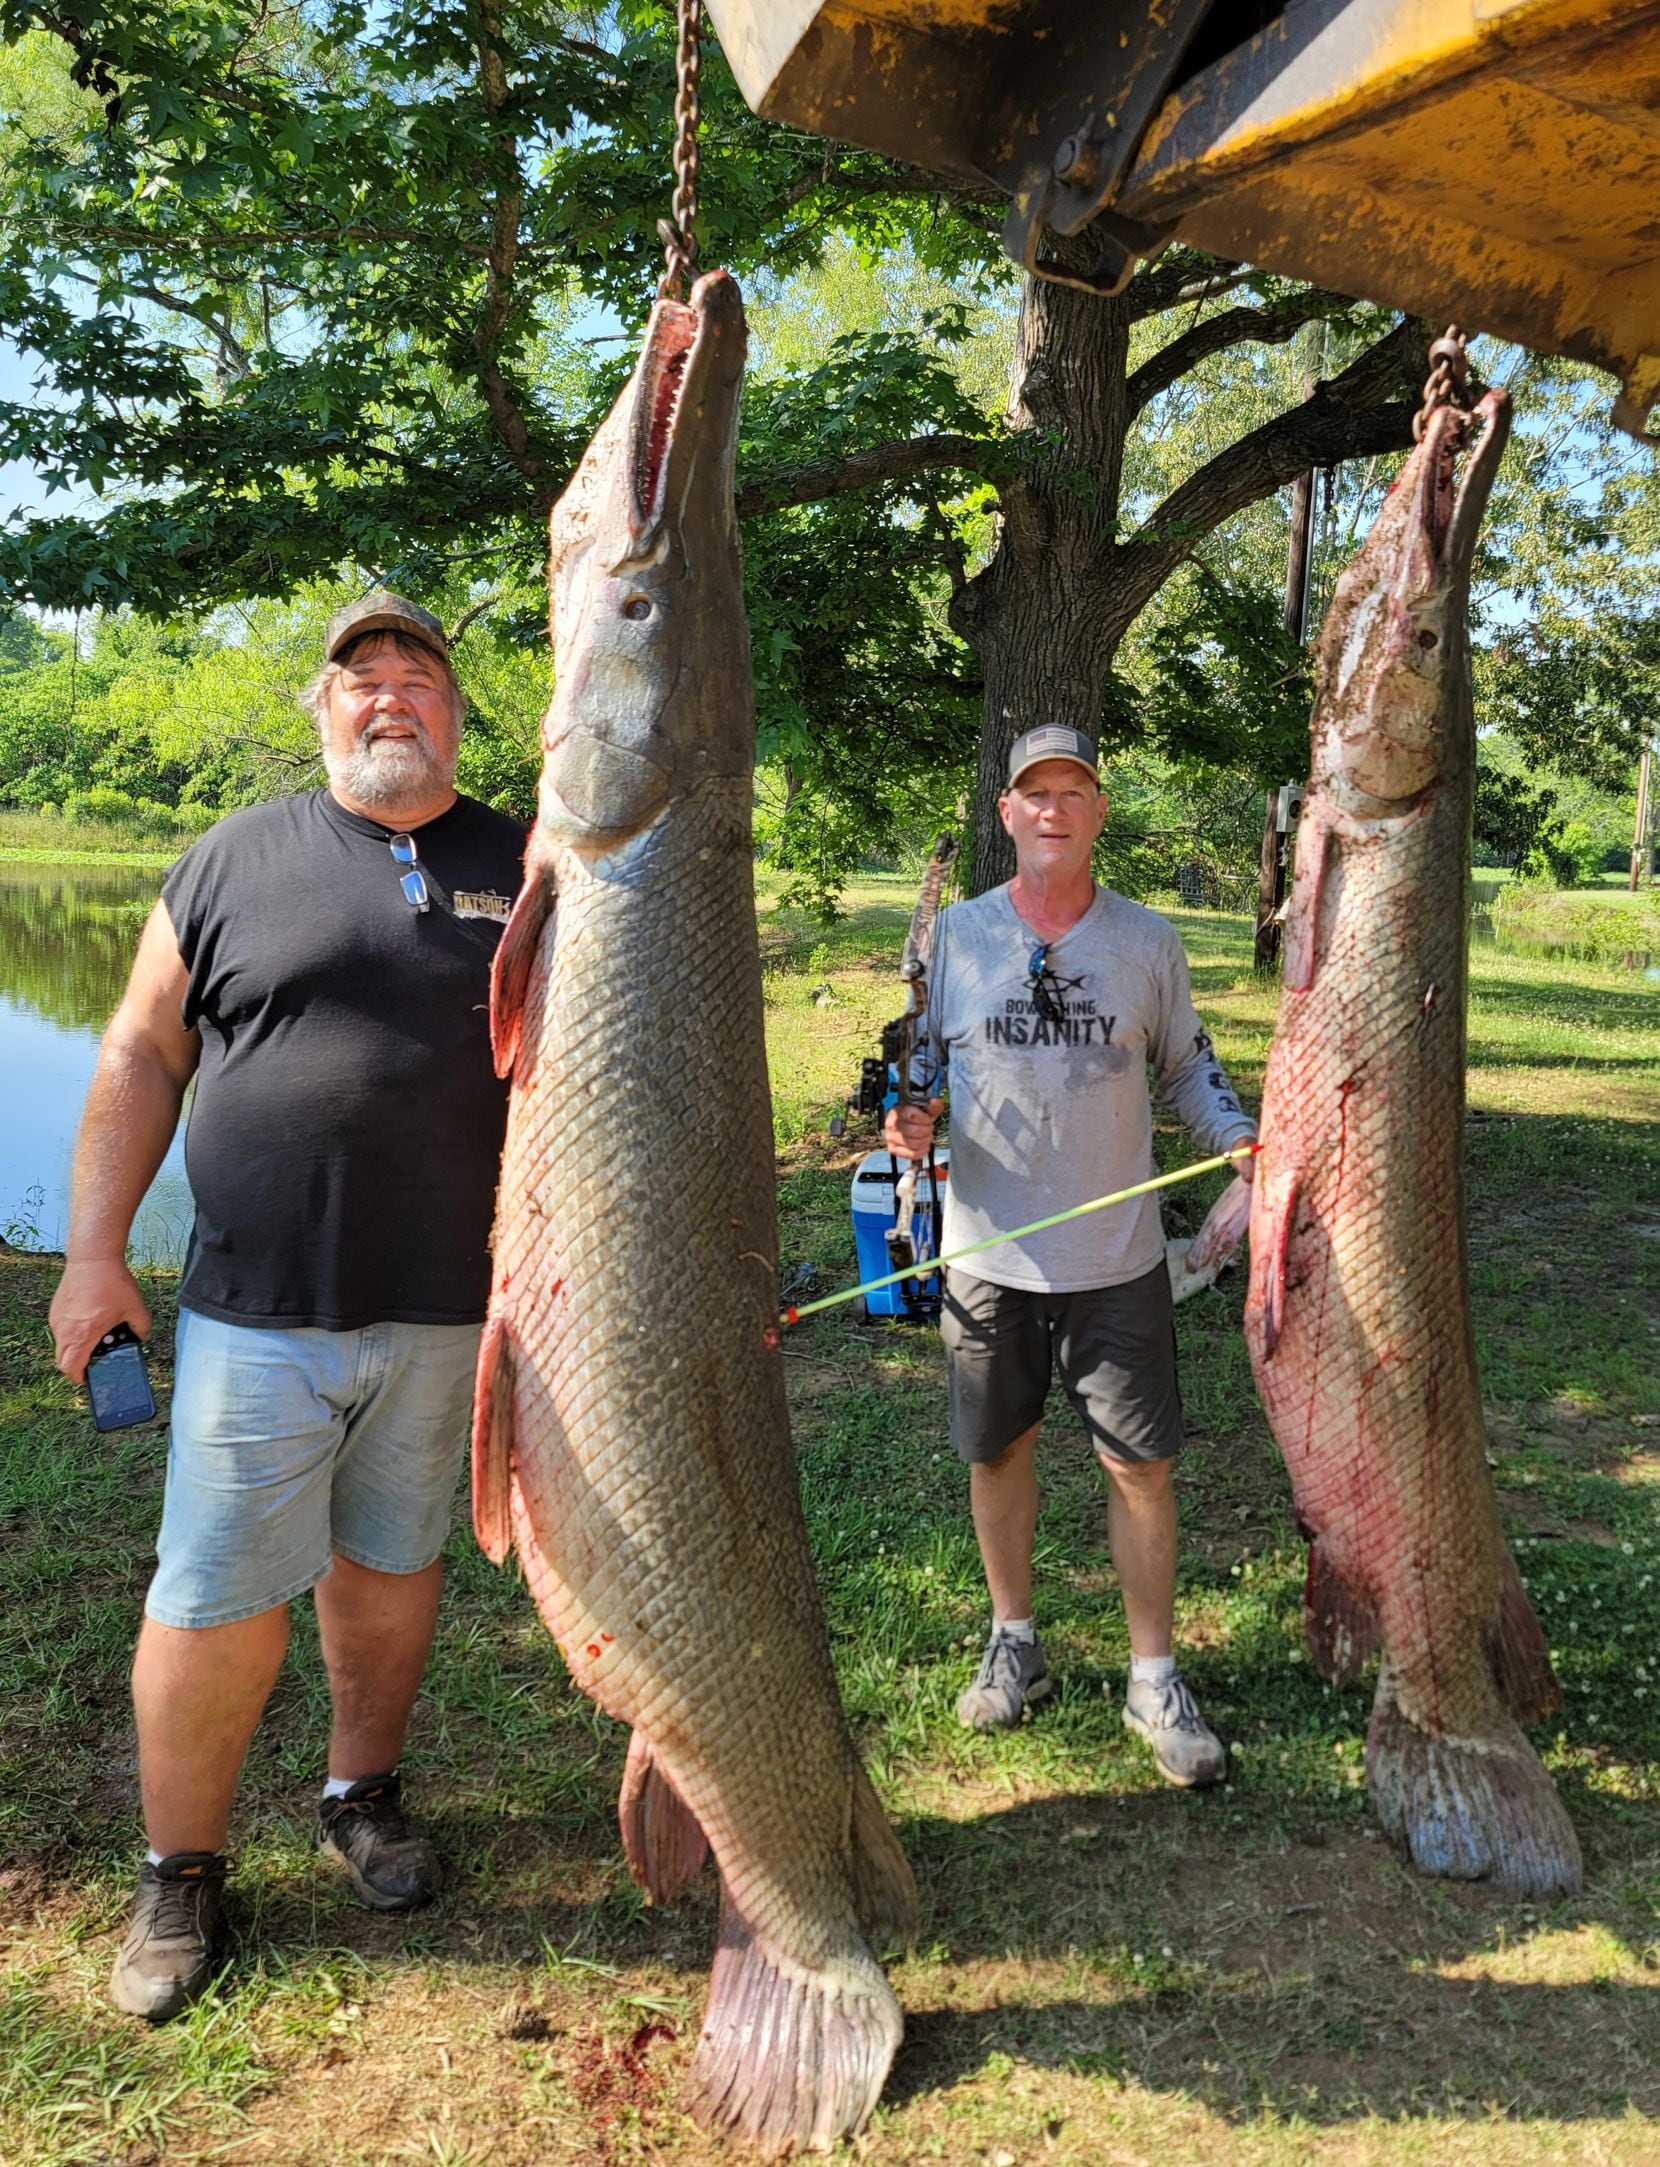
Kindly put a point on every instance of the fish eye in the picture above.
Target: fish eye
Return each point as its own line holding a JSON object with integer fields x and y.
{"x": 637, "y": 606}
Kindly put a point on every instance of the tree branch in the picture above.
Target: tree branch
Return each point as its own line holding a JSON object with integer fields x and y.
{"x": 140, "y": 240}
{"x": 1270, "y": 326}
{"x": 506, "y": 414}
{"x": 1181, "y": 276}
{"x": 471, "y": 614}
{"x": 893, "y": 461}
{"x": 951, "y": 548}
{"x": 1343, "y": 419}
{"x": 232, "y": 348}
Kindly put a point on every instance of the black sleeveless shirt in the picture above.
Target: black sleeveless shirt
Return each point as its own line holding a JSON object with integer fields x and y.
{"x": 346, "y": 1128}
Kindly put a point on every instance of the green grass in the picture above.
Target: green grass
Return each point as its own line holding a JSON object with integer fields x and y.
{"x": 36, "y": 838}
{"x": 1107, "y": 1972}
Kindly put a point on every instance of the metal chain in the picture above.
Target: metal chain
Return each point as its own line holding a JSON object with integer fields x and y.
{"x": 1448, "y": 380}
{"x": 678, "y": 232}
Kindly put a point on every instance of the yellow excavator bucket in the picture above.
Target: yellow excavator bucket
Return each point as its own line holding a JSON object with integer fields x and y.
{"x": 1493, "y": 162}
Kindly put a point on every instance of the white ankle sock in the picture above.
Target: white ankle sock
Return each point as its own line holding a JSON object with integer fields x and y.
{"x": 154, "y": 1858}
{"x": 1152, "y": 1669}
{"x": 1015, "y": 1628}
{"x": 338, "y": 1786}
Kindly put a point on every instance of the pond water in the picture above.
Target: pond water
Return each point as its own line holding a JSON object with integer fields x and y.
{"x": 1605, "y": 953}
{"x": 67, "y": 936}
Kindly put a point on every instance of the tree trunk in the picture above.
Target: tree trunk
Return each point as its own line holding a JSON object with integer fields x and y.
{"x": 1641, "y": 853}
{"x": 1046, "y": 615}
{"x": 1034, "y": 616}
{"x": 1276, "y": 848}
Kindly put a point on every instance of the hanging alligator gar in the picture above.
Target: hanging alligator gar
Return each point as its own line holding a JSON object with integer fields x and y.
{"x": 1358, "y": 1315}
{"x": 631, "y": 1436}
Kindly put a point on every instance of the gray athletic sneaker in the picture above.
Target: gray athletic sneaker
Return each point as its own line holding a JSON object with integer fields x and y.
{"x": 391, "y": 1866}
{"x": 172, "y": 1947}
{"x": 1012, "y": 1674}
{"x": 1187, "y": 1751}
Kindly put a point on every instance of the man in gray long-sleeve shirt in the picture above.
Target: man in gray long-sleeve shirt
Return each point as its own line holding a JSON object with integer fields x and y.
{"x": 1049, "y": 999}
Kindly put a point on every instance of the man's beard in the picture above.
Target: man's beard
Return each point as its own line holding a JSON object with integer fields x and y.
{"x": 390, "y": 772}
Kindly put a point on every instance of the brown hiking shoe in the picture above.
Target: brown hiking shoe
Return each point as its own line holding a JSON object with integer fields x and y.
{"x": 171, "y": 1950}
{"x": 391, "y": 1867}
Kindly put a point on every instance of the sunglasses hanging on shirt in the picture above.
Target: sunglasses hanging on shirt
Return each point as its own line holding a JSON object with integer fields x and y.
{"x": 412, "y": 880}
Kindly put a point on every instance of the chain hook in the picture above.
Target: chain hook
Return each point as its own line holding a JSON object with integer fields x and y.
{"x": 678, "y": 232}
{"x": 1447, "y": 383}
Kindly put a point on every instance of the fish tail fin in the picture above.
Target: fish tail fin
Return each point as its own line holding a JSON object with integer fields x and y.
{"x": 663, "y": 1841}
{"x": 1521, "y": 1657}
{"x": 884, "y": 1888}
{"x": 1470, "y": 1809}
{"x": 790, "y": 2059}
{"x": 1340, "y": 1622}
{"x": 493, "y": 1441}
{"x": 516, "y": 952}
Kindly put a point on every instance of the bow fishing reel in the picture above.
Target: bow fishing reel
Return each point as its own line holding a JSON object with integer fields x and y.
{"x": 874, "y": 1092}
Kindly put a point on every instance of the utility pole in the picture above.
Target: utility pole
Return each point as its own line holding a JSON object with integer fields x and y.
{"x": 1279, "y": 823}
{"x": 1642, "y": 853}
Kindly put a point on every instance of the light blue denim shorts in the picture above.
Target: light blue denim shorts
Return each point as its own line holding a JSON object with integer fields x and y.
{"x": 289, "y": 1446}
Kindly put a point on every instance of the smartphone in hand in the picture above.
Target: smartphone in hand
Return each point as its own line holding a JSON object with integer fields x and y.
{"x": 117, "y": 1383}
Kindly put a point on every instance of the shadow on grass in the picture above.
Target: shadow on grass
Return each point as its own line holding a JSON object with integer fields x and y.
{"x": 1323, "y": 1981}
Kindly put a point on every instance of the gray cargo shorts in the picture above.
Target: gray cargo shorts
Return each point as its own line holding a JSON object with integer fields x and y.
{"x": 1115, "y": 1348}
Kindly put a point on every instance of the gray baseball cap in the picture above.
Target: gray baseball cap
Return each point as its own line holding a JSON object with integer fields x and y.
{"x": 383, "y": 612}
{"x": 1052, "y": 741}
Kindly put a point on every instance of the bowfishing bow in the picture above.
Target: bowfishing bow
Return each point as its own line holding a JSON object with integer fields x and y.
{"x": 897, "y": 1060}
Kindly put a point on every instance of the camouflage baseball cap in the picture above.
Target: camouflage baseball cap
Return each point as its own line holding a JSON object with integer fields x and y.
{"x": 383, "y": 612}
{"x": 1051, "y": 741}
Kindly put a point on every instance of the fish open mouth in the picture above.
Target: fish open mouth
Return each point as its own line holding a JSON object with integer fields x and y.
{"x": 691, "y": 350}
{"x": 670, "y": 343}
{"x": 1450, "y": 505}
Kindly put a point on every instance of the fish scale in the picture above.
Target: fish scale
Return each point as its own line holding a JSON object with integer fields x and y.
{"x": 1357, "y": 1314}
{"x": 631, "y": 1435}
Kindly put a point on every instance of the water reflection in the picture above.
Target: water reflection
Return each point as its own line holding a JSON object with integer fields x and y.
{"x": 67, "y": 936}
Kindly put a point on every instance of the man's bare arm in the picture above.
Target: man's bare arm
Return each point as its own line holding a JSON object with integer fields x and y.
{"x": 132, "y": 1109}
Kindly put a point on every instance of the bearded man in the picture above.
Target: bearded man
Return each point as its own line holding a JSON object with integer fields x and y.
{"x": 320, "y": 966}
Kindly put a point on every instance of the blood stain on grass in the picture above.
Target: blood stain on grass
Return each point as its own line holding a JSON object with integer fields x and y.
{"x": 611, "y": 2080}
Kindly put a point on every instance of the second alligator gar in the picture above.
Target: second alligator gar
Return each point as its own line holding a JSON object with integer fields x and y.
{"x": 631, "y": 1435}
{"x": 1358, "y": 1313}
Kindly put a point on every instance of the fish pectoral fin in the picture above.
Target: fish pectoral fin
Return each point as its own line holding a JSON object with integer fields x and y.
{"x": 884, "y": 1888}
{"x": 516, "y": 953}
{"x": 1340, "y": 1623}
{"x": 663, "y": 1841}
{"x": 793, "y": 2055}
{"x": 493, "y": 1442}
{"x": 1521, "y": 1656}
{"x": 1279, "y": 1219}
